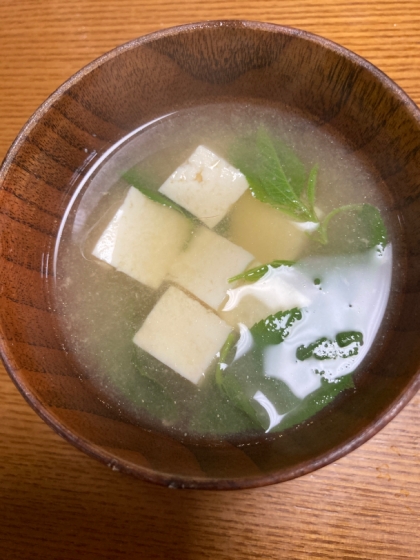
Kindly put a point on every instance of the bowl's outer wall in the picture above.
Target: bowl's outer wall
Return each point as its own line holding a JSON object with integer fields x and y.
{"x": 128, "y": 87}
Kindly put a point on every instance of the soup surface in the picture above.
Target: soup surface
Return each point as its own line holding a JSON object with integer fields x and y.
{"x": 224, "y": 271}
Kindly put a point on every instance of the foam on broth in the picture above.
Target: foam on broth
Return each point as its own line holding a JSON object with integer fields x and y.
{"x": 100, "y": 309}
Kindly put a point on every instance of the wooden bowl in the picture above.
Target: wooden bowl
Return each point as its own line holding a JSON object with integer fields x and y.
{"x": 101, "y": 104}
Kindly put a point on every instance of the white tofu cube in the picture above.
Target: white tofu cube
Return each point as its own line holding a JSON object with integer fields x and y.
{"x": 206, "y": 185}
{"x": 143, "y": 239}
{"x": 104, "y": 248}
{"x": 265, "y": 231}
{"x": 206, "y": 265}
{"x": 182, "y": 334}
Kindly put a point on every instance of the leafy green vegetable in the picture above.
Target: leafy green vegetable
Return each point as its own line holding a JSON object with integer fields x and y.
{"x": 239, "y": 385}
{"x": 215, "y": 412}
{"x": 350, "y": 351}
{"x": 278, "y": 189}
{"x": 150, "y": 394}
{"x": 315, "y": 402}
{"x": 259, "y": 161}
{"x": 240, "y": 390}
{"x": 370, "y": 229}
{"x": 229, "y": 343}
{"x": 258, "y": 272}
{"x": 304, "y": 352}
{"x": 375, "y": 224}
{"x": 277, "y": 177}
{"x": 229, "y": 385}
{"x": 243, "y": 156}
{"x": 293, "y": 167}
{"x": 234, "y": 392}
{"x": 133, "y": 177}
{"x": 348, "y": 337}
{"x": 172, "y": 385}
{"x": 311, "y": 187}
{"x": 142, "y": 368}
{"x": 275, "y": 328}
{"x": 272, "y": 330}
{"x": 139, "y": 179}
{"x": 325, "y": 349}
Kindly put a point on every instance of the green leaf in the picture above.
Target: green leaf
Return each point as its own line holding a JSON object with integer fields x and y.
{"x": 243, "y": 155}
{"x": 258, "y": 272}
{"x": 139, "y": 179}
{"x": 142, "y": 367}
{"x": 241, "y": 379}
{"x": 257, "y": 158}
{"x": 275, "y": 176}
{"x": 321, "y": 233}
{"x": 371, "y": 216}
{"x": 305, "y": 352}
{"x": 133, "y": 177}
{"x": 278, "y": 189}
{"x": 367, "y": 227}
{"x": 315, "y": 402}
{"x": 326, "y": 349}
{"x": 229, "y": 343}
{"x": 350, "y": 351}
{"x": 293, "y": 167}
{"x": 229, "y": 385}
{"x": 348, "y": 337}
{"x": 233, "y": 389}
{"x": 239, "y": 389}
{"x": 170, "y": 382}
{"x": 311, "y": 187}
{"x": 215, "y": 413}
{"x": 275, "y": 328}
{"x": 275, "y": 391}
{"x": 150, "y": 394}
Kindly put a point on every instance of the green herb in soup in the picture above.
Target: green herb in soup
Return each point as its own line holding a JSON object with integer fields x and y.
{"x": 234, "y": 275}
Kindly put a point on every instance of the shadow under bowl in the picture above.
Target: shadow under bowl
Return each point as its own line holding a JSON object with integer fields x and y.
{"x": 128, "y": 87}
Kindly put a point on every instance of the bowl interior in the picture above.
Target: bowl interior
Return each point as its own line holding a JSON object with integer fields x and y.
{"x": 102, "y": 104}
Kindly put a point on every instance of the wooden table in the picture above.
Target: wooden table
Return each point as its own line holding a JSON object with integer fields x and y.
{"x": 56, "y": 503}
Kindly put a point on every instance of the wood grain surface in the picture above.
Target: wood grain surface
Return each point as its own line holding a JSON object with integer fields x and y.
{"x": 56, "y": 502}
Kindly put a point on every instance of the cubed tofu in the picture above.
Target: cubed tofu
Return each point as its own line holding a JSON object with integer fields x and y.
{"x": 206, "y": 265}
{"x": 143, "y": 239}
{"x": 206, "y": 185}
{"x": 265, "y": 231}
{"x": 104, "y": 248}
{"x": 182, "y": 334}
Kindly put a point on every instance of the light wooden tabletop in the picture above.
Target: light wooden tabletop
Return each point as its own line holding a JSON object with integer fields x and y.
{"x": 56, "y": 503}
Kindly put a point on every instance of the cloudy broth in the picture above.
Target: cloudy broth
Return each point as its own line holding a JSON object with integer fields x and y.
{"x": 281, "y": 362}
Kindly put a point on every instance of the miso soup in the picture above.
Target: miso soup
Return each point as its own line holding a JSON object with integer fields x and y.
{"x": 224, "y": 272}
